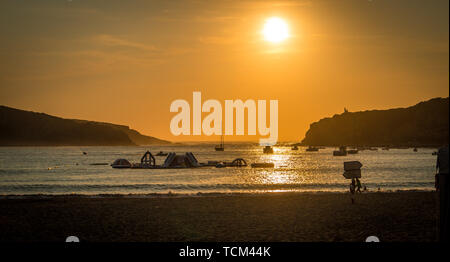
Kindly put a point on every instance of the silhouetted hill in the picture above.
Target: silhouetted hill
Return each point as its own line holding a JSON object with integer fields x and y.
{"x": 425, "y": 124}
{"x": 25, "y": 128}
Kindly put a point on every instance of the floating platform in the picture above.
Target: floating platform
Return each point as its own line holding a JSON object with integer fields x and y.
{"x": 188, "y": 160}
{"x": 263, "y": 165}
{"x": 238, "y": 162}
{"x": 121, "y": 163}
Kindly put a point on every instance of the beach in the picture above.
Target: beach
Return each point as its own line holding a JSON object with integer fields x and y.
{"x": 407, "y": 216}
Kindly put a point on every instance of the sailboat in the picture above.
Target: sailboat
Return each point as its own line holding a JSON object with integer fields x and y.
{"x": 221, "y": 147}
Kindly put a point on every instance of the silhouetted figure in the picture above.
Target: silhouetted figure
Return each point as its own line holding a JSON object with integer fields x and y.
{"x": 358, "y": 185}
{"x": 352, "y": 189}
{"x": 442, "y": 186}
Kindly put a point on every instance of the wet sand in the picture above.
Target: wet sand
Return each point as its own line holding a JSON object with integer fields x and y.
{"x": 396, "y": 216}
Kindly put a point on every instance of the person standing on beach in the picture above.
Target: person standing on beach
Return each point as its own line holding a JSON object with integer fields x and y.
{"x": 352, "y": 186}
{"x": 358, "y": 185}
{"x": 442, "y": 186}
{"x": 352, "y": 190}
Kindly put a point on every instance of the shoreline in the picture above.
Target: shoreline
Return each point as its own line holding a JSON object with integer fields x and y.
{"x": 200, "y": 194}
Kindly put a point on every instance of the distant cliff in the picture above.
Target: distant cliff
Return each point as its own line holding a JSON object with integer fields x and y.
{"x": 25, "y": 128}
{"x": 424, "y": 124}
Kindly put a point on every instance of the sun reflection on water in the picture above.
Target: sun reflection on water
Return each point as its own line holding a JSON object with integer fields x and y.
{"x": 281, "y": 174}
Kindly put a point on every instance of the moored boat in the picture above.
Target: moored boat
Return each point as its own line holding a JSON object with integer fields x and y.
{"x": 341, "y": 152}
{"x": 220, "y": 147}
{"x": 312, "y": 149}
{"x": 268, "y": 150}
{"x": 352, "y": 151}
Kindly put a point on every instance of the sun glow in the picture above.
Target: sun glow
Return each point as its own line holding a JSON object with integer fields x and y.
{"x": 275, "y": 30}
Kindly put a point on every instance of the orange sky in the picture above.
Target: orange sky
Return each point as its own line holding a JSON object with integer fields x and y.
{"x": 125, "y": 61}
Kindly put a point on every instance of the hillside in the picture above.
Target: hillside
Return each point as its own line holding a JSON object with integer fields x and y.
{"x": 25, "y": 128}
{"x": 424, "y": 124}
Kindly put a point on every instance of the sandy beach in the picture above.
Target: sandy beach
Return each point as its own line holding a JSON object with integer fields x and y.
{"x": 399, "y": 216}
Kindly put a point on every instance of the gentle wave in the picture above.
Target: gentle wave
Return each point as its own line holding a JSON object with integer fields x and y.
{"x": 33, "y": 188}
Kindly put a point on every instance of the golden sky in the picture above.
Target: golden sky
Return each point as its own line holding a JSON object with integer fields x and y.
{"x": 124, "y": 62}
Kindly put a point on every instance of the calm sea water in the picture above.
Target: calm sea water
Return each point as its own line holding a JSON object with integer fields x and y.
{"x": 65, "y": 170}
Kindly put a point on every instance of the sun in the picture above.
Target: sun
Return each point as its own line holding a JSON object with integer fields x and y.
{"x": 275, "y": 30}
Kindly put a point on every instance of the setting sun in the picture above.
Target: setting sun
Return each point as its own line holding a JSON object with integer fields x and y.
{"x": 275, "y": 30}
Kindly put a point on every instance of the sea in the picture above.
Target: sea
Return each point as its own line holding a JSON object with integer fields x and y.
{"x": 67, "y": 170}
